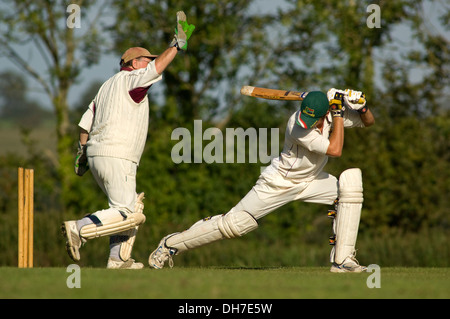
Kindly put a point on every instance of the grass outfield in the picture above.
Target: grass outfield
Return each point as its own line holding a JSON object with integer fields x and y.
{"x": 224, "y": 283}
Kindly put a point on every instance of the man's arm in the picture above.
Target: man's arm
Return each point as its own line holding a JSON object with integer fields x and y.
{"x": 163, "y": 60}
{"x": 85, "y": 123}
{"x": 81, "y": 163}
{"x": 367, "y": 118}
{"x": 337, "y": 135}
{"x": 84, "y": 136}
{"x": 351, "y": 100}
{"x": 336, "y": 138}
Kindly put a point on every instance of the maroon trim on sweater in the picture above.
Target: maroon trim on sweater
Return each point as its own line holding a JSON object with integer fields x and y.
{"x": 138, "y": 94}
{"x": 126, "y": 69}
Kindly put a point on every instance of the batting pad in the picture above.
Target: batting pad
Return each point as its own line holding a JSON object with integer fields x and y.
{"x": 127, "y": 246}
{"x": 348, "y": 215}
{"x": 112, "y": 224}
{"x": 211, "y": 229}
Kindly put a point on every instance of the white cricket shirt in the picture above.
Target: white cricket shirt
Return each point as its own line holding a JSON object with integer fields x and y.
{"x": 304, "y": 152}
{"x": 117, "y": 119}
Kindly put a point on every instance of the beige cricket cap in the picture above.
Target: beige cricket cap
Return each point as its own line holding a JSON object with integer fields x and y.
{"x": 134, "y": 53}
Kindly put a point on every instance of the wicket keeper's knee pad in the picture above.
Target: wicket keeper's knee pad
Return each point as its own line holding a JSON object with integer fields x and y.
{"x": 211, "y": 229}
{"x": 348, "y": 215}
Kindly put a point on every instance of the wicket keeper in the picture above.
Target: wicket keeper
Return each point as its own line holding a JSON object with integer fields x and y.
{"x": 113, "y": 133}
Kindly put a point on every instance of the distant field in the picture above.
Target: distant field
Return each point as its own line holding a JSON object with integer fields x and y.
{"x": 43, "y": 138}
{"x": 224, "y": 283}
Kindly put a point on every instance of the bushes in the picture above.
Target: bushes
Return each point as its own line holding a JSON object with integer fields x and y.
{"x": 403, "y": 220}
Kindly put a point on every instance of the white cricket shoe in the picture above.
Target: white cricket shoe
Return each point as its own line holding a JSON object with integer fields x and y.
{"x": 119, "y": 264}
{"x": 73, "y": 240}
{"x": 161, "y": 254}
{"x": 350, "y": 264}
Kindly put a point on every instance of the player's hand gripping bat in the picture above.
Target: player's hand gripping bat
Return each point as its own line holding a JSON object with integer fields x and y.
{"x": 283, "y": 95}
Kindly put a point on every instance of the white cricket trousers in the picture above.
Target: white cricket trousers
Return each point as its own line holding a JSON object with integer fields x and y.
{"x": 117, "y": 178}
{"x": 272, "y": 191}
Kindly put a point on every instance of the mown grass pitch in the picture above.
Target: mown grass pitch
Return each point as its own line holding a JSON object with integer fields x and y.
{"x": 224, "y": 283}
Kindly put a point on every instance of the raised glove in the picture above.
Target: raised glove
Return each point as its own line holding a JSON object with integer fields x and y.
{"x": 183, "y": 32}
{"x": 336, "y": 108}
{"x": 334, "y": 93}
{"x": 355, "y": 100}
{"x": 81, "y": 163}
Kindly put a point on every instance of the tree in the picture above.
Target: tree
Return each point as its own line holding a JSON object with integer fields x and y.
{"x": 64, "y": 50}
{"x": 306, "y": 45}
{"x": 345, "y": 41}
{"x": 15, "y": 106}
{"x": 226, "y": 50}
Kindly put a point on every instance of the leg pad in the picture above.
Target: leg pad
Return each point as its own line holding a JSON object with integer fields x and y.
{"x": 346, "y": 222}
{"x": 112, "y": 225}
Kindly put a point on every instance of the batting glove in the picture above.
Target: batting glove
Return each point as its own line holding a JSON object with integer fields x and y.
{"x": 81, "y": 163}
{"x": 334, "y": 93}
{"x": 355, "y": 100}
{"x": 336, "y": 108}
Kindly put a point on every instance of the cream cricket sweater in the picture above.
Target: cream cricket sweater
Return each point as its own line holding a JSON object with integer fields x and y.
{"x": 117, "y": 119}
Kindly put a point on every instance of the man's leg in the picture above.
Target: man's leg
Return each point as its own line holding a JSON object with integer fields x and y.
{"x": 326, "y": 189}
{"x": 262, "y": 199}
{"x": 322, "y": 190}
{"x": 117, "y": 178}
{"x": 346, "y": 222}
{"x": 208, "y": 230}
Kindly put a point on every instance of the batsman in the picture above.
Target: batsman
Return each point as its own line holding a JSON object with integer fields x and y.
{"x": 113, "y": 133}
{"x": 313, "y": 133}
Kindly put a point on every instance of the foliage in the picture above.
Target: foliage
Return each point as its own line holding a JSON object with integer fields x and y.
{"x": 64, "y": 52}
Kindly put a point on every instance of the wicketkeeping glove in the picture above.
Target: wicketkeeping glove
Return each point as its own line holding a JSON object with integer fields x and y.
{"x": 81, "y": 162}
{"x": 183, "y": 32}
